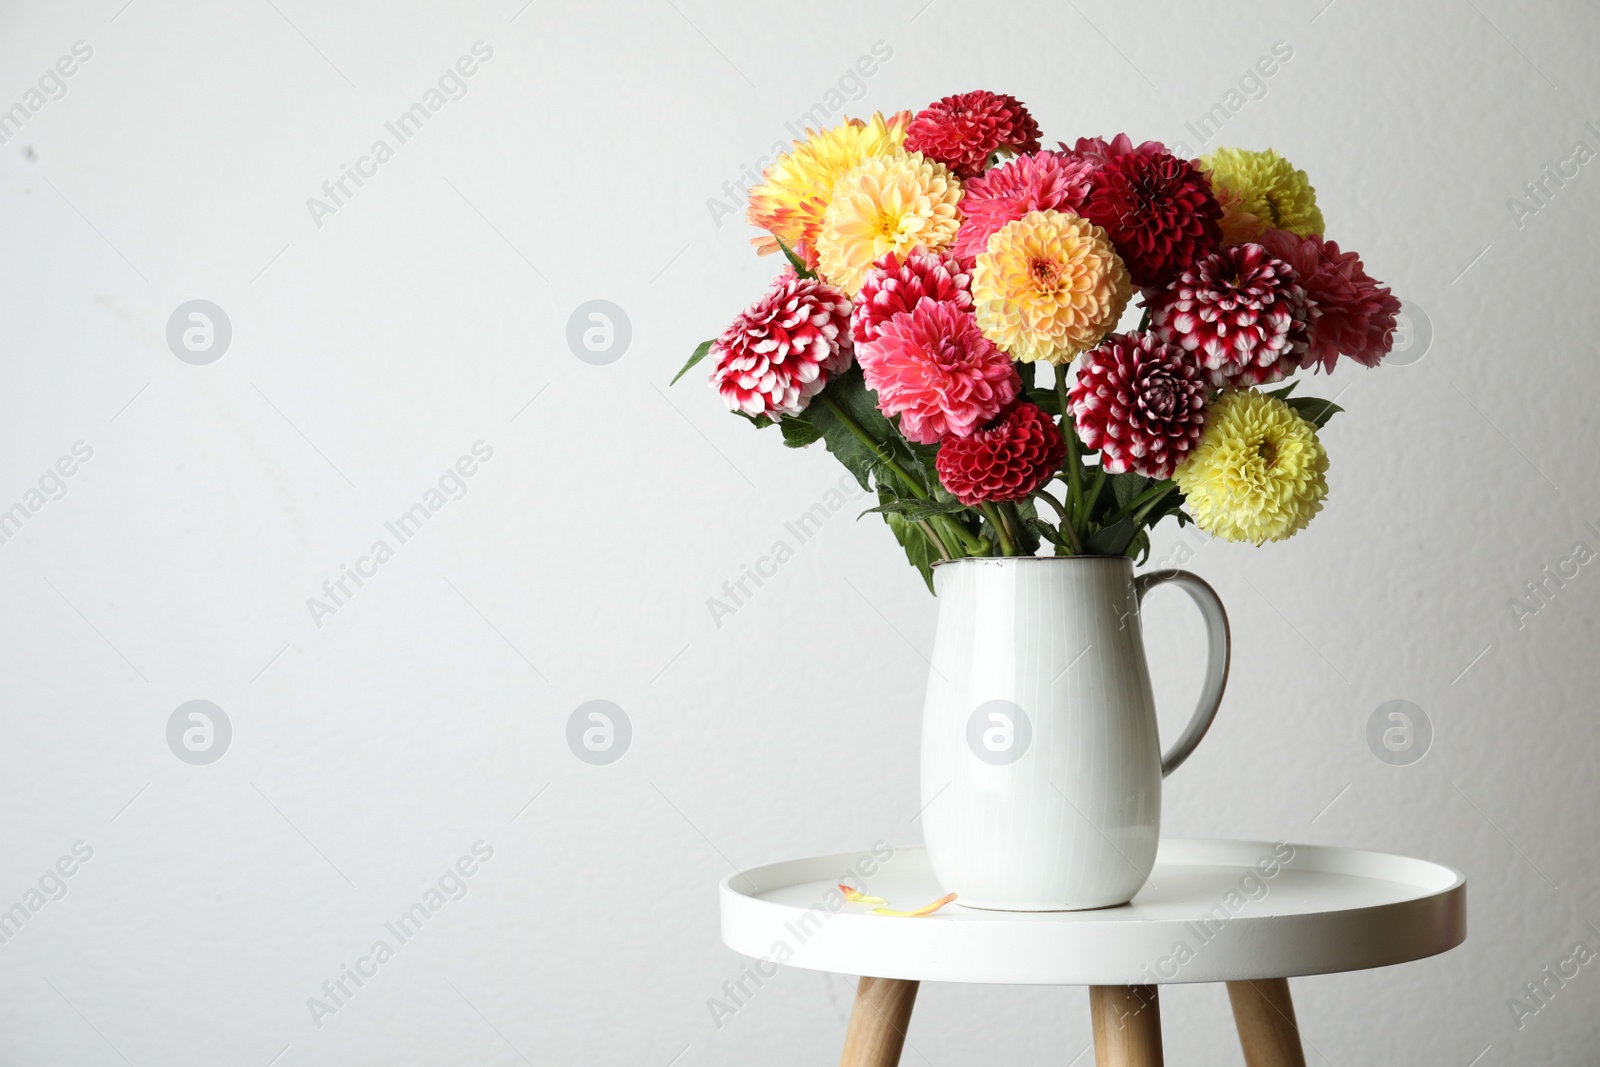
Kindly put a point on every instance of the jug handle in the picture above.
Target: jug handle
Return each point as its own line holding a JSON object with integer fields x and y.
{"x": 1219, "y": 654}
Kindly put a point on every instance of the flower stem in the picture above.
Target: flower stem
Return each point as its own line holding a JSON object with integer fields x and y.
{"x": 878, "y": 448}
{"x": 1013, "y": 525}
{"x": 1055, "y": 505}
{"x": 990, "y": 513}
{"x": 1094, "y": 492}
{"x": 1069, "y": 525}
{"x": 927, "y": 528}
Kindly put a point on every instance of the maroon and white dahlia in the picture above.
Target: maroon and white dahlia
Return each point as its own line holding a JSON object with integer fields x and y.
{"x": 780, "y": 351}
{"x": 1140, "y": 401}
{"x": 1005, "y": 460}
{"x": 966, "y": 130}
{"x": 1241, "y": 312}
{"x": 894, "y": 286}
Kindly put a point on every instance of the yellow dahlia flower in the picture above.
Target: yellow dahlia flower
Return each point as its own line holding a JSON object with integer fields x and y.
{"x": 1258, "y": 473}
{"x": 1049, "y": 286}
{"x": 1263, "y": 185}
{"x": 796, "y": 188}
{"x": 886, "y": 204}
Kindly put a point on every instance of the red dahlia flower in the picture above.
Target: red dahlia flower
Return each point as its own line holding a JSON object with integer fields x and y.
{"x": 965, "y": 130}
{"x": 1005, "y": 460}
{"x": 1158, "y": 210}
{"x": 1241, "y": 312}
{"x": 1140, "y": 401}
{"x": 1355, "y": 315}
{"x": 780, "y": 351}
{"x": 893, "y": 287}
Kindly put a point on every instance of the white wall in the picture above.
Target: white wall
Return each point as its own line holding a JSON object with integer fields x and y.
{"x": 371, "y": 751}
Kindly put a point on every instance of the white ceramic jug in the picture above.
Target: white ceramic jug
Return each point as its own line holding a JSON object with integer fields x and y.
{"x": 1041, "y": 768}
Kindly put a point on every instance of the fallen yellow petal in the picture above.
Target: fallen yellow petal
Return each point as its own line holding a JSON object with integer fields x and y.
{"x": 926, "y": 909}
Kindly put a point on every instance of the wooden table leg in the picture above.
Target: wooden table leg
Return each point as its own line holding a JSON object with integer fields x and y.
{"x": 1127, "y": 1025}
{"x": 878, "y": 1022}
{"x": 1265, "y": 1017}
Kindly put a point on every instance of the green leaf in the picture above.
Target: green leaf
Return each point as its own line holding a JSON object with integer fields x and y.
{"x": 1127, "y": 486}
{"x": 1045, "y": 530}
{"x": 919, "y": 550}
{"x": 850, "y": 392}
{"x": 1314, "y": 410}
{"x": 1046, "y": 398}
{"x": 699, "y": 354}
{"x": 795, "y": 261}
{"x": 912, "y": 509}
{"x": 1113, "y": 540}
{"x": 760, "y": 422}
{"x": 798, "y": 431}
{"x": 1283, "y": 393}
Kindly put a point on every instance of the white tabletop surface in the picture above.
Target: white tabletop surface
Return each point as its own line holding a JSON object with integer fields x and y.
{"x": 1212, "y": 911}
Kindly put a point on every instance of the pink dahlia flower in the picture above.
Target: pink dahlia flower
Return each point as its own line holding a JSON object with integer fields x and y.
{"x": 933, "y": 367}
{"x": 966, "y": 130}
{"x": 1241, "y": 312}
{"x": 893, "y": 287}
{"x": 1043, "y": 181}
{"x": 780, "y": 351}
{"x": 1355, "y": 314}
{"x": 1140, "y": 401}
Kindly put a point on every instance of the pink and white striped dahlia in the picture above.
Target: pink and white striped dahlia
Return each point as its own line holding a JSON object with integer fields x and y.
{"x": 1043, "y": 181}
{"x": 1140, "y": 401}
{"x": 894, "y": 286}
{"x": 933, "y": 367}
{"x": 780, "y": 351}
{"x": 1241, "y": 312}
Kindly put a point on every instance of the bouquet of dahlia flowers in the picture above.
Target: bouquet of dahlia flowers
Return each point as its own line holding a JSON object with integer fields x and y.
{"x": 927, "y": 281}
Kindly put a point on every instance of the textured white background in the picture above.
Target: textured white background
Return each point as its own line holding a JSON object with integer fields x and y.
{"x": 372, "y": 351}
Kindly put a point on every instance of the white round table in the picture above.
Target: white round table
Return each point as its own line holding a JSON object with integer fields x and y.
{"x": 1249, "y": 914}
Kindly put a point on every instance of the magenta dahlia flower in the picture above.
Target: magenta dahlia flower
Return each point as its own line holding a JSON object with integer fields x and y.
{"x": 1041, "y": 181}
{"x": 1355, "y": 316}
{"x": 780, "y": 351}
{"x": 965, "y": 131}
{"x": 1005, "y": 460}
{"x": 933, "y": 367}
{"x": 1158, "y": 210}
{"x": 1140, "y": 401}
{"x": 894, "y": 286}
{"x": 1241, "y": 312}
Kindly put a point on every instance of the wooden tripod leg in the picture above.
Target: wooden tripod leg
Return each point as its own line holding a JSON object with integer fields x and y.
{"x": 1265, "y": 1017}
{"x": 878, "y": 1022}
{"x": 1127, "y": 1025}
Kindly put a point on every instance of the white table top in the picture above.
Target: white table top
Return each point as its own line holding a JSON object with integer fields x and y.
{"x": 1212, "y": 911}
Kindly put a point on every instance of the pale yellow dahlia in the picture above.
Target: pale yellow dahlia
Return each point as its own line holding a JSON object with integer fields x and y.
{"x": 796, "y": 188}
{"x": 1260, "y": 189}
{"x": 1258, "y": 473}
{"x": 886, "y": 204}
{"x": 1049, "y": 286}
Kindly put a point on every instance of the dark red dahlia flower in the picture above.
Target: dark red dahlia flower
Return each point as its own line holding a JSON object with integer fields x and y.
{"x": 1158, "y": 210}
{"x": 1006, "y": 460}
{"x": 965, "y": 131}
